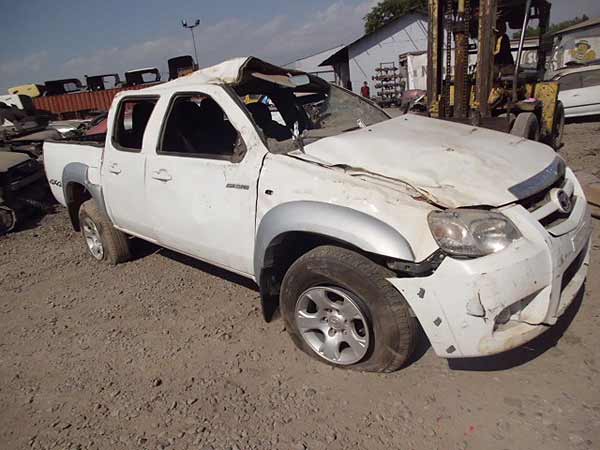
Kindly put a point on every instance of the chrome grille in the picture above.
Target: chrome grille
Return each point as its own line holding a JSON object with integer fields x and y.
{"x": 544, "y": 209}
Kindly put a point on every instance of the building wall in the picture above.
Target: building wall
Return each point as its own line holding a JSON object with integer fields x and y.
{"x": 311, "y": 63}
{"x": 408, "y": 34}
{"x": 576, "y": 47}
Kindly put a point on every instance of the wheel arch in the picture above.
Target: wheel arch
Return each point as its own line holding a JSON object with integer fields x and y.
{"x": 291, "y": 229}
{"x": 77, "y": 189}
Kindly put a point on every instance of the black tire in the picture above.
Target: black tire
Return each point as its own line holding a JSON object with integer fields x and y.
{"x": 558, "y": 127}
{"x": 391, "y": 325}
{"x": 115, "y": 243}
{"x": 8, "y": 220}
{"x": 527, "y": 126}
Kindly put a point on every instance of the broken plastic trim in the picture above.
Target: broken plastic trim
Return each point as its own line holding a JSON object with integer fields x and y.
{"x": 424, "y": 268}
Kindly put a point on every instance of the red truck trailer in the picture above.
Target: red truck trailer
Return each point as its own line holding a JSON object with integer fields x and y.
{"x": 78, "y": 105}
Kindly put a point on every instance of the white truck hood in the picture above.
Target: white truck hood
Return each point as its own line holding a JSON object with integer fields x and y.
{"x": 453, "y": 165}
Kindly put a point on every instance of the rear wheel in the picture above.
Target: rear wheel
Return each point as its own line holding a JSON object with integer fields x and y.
{"x": 527, "y": 126}
{"x": 340, "y": 309}
{"x": 103, "y": 241}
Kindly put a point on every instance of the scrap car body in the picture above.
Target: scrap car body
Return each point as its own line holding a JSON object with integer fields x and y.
{"x": 349, "y": 176}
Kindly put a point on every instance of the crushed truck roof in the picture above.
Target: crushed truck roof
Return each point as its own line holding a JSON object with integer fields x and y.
{"x": 230, "y": 72}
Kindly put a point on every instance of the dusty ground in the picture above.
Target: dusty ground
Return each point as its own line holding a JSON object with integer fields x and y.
{"x": 164, "y": 352}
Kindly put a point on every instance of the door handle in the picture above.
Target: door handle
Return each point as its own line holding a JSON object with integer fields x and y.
{"x": 161, "y": 175}
{"x": 114, "y": 168}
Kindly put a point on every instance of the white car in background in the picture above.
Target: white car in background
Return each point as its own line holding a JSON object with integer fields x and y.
{"x": 580, "y": 90}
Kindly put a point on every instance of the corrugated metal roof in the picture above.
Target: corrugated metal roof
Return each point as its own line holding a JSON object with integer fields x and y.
{"x": 588, "y": 23}
{"x": 326, "y": 54}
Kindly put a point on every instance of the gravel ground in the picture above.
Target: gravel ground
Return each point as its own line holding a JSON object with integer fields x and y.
{"x": 164, "y": 352}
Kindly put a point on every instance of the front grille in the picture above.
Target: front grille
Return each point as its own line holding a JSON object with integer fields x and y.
{"x": 541, "y": 207}
{"x": 539, "y": 199}
{"x": 554, "y": 219}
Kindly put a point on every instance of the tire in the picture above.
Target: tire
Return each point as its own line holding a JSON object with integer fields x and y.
{"x": 527, "y": 126}
{"x": 558, "y": 127}
{"x": 103, "y": 241}
{"x": 354, "y": 283}
{"x": 8, "y": 220}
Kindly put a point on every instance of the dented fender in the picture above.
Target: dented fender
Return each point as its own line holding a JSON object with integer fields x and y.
{"x": 345, "y": 224}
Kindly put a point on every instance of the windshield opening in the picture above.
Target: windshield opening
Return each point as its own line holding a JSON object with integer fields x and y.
{"x": 291, "y": 116}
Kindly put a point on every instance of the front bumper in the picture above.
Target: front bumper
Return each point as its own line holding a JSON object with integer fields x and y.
{"x": 489, "y": 305}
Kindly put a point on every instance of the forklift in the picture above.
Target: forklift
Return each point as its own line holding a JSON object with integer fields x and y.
{"x": 492, "y": 92}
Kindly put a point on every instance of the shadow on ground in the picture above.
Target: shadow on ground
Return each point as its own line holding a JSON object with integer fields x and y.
{"x": 31, "y": 217}
{"x": 584, "y": 119}
{"x": 527, "y": 352}
{"x": 141, "y": 249}
{"x": 504, "y": 361}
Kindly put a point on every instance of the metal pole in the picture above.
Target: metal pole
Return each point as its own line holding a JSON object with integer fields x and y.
{"x": 520, "y": 52}
{"x": 191, "y": 28}
{"x": 434, "y": 56}
{"x": 194, "y": 41}
{"x": 485, "y": 60}
{"x": 461, "y": 60}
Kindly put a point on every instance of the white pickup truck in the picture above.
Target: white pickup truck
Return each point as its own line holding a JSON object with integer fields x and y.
{"x": 358, "y": 226}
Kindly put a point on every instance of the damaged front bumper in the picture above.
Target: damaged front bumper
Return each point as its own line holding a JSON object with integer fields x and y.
{"x": 489, "y": 305}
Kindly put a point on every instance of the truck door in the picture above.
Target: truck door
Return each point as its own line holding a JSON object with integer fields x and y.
{"x": 202, "y": 179}
{"x": 124, "y": 166}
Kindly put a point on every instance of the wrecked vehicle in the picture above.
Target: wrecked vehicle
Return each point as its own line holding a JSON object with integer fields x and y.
{"x": 22, "y": 188}
{"x": 357, "y": 225}
{"x": 142, "y": 76}
{"x": 62, "y": 87}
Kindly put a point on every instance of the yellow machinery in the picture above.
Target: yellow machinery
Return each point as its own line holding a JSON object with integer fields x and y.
{"x": 30, "y": 90}
{"x": 496, "y": 94}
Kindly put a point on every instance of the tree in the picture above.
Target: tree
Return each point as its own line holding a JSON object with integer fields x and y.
{"x": 535, "y": 31}
{"x": 387, "y": 10}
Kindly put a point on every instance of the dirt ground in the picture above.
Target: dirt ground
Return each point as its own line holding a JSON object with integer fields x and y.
{"x": 164, "y": 352}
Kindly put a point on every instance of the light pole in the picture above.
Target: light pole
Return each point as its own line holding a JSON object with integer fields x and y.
{"x": 191, "y": 28}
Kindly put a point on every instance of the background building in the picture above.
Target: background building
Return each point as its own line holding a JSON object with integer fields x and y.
{"x": 578, "y": 44}
{"x": 355, "y": 63}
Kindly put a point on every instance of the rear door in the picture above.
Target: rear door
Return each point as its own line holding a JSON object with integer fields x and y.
{"x": 124, "y": 166}
{"x": 203, "y": 178}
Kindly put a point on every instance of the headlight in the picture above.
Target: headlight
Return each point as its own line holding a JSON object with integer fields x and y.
{"x": 471, "y": 233}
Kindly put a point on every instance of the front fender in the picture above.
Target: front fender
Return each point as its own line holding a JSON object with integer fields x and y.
{"x": 344, "y": 224}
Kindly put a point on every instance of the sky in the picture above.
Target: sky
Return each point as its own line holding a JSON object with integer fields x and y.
{"x": 50, "y": 39}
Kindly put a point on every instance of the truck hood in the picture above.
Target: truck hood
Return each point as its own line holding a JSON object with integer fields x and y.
{"x": 452, "y": 165}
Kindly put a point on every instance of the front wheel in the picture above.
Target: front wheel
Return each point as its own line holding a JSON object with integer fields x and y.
{"x": 340, "y": 309}
{"x": 527, "y": 126}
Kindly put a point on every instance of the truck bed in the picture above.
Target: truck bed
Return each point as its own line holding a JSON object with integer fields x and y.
{"x": 58, "y": 154}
